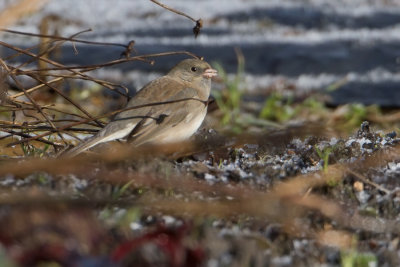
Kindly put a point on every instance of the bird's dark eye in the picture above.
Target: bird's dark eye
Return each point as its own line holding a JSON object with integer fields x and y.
{"x": 193, "y": 69}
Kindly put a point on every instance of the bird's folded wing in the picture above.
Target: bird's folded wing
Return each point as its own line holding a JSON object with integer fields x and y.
{"x": 164, "y": 117}
{"x": 125, "y": 122}
{"x": 140, "y": 108}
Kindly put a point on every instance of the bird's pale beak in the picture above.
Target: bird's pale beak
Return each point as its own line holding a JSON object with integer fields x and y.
{"x": 209, "y": 73}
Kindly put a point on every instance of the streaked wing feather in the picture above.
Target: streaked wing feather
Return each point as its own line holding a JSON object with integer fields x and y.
{"x": 175, "y": 114}
{"x": 156, "y": 91}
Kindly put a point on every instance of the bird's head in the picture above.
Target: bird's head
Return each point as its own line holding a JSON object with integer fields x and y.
{"x": 193, "y": 71}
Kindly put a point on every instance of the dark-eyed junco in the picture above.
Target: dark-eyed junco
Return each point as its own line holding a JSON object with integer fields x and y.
{"x": 171, "y": 109}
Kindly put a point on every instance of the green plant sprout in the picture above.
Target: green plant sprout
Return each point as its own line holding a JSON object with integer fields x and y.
{"x": 31, "y": 150}
{"x": 230, "y": 97}
{"x": 277, "y": 108}
{"x": 120, "y": 192}
{"x": 324, "y": 155}
{"x": 353, "y": 258}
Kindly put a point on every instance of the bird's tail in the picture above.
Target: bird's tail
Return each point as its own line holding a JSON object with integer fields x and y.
{"x": 82, "y": 147}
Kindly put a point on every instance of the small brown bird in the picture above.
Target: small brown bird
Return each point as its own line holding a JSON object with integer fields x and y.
{"x": 183, "y": 94}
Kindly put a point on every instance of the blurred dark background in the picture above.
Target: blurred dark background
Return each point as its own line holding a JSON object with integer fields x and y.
{"x": 350, "y": 46}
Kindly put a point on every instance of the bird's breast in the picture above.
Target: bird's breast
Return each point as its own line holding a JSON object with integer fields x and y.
{"x": 184, "y": 129}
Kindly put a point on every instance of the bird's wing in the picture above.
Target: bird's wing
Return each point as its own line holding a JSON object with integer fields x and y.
{"x": 166, "y": 116}
{"x": 124, "y": 123}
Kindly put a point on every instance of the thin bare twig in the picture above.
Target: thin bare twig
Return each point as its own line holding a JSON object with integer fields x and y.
{"x": 25, "y": 135}
{"x": 199, "y": 22}
{"x": 118, "y": 61}
{"x": 49, "y": 49}
{"x": 35, "y": 88}
{"x": 70, "y": 39}
{"x": 365, "y": 180}
{"x": 48, "y": 61}
{"x": 173, "y": 10}
{"x": 38, "y": 108}
{"x": 60, "y": 129}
